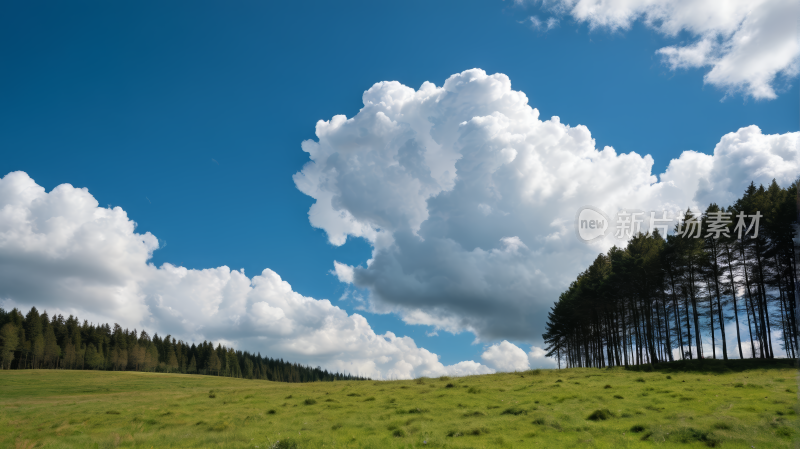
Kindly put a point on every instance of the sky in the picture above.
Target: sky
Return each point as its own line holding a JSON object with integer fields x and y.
{"x": 406, "y": 173}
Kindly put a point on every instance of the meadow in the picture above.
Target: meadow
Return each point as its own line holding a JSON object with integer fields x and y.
{"x": 747, "y": 404}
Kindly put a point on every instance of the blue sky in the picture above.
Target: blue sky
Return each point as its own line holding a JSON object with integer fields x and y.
{"x": 190, "y": 115}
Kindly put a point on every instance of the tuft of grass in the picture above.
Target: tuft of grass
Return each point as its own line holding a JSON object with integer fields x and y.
{"x": 474, "y": 390}
{"x": 669, "y": 377}
{"x": 691, "y": 435}
{"x": 220, "y": 426}
{"x": 607, "y": 386}
{"x": 352, "y": 395}
{"x": 559, "y": 380}
{"x": 539, "y": 421}
{"x": 601, "y": 415}
{"x": 473, "y": 414}
{"x": 288, "y": 397}
{"x": 310, "y": 401}
{"x": 398, "y": 433}
{"x": 618, "y": 396}
{"x": 371, "y": 398}
{"x": 722, "y": 426}
{"x": 271, "y": 412}
{"x": 450, "y": 385}
{"x": 640, "y": 379}
{"x": 637, "y": 429}
{"x": 336, "y": 426}
{"x": 285, "y": 444}
{"x": 514, "y": 411}
{"x": 112, "y": 412}
{"x": 738, "y": 385}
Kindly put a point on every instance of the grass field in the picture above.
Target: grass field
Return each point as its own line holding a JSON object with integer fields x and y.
{"x": 739, "y": 404}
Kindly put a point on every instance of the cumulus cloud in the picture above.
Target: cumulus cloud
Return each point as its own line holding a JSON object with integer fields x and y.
{"x": 747, "y": 44}
{"x": 469, "y": 198}
{"x": 506, "y": 356}
{"x": 60, "y": 251}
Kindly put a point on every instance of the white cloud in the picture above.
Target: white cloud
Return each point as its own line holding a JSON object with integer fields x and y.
{"x": 506, "y": 356}
{"x": 468, "y": 198}
{"x": 747, "y": 44}
{"x": 61, "y": 252}
{"x": 537, "y": 358}
{"x": 343, "y": 271}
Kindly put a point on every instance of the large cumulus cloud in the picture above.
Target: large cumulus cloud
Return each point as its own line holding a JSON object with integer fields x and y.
{"x": 62, "y": 252}
{"x": 468, "y": 198}
{"x": 746, "y": 44}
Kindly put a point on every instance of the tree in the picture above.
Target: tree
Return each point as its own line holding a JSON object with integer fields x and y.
{"x": 214, "y": 364}
{"x": 9, "y": 340}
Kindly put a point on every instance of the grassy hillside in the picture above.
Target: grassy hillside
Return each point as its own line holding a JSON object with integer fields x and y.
{"x": 741, "y": 404}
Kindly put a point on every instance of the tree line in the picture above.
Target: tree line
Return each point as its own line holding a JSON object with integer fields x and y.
{"x": 635, "y": 305}
{"x": 37, "y": 341}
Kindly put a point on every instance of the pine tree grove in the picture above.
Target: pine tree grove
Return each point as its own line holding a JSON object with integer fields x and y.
{"x": 36, "y": 341}
{"x": 639, "y": 304}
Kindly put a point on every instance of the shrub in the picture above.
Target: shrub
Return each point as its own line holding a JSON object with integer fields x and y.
{"x": 601, "y": 415}
{"x": 310, "y": 401}
{"x": 271, "y": 412}
{"x": 450, "y": 385}
{"x": 669, "y": 377}
{"x": 444, "y": 378}
{"x": 420, "y": 381}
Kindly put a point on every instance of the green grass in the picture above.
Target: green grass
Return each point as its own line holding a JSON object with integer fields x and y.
{"x": 697, "y": 404}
